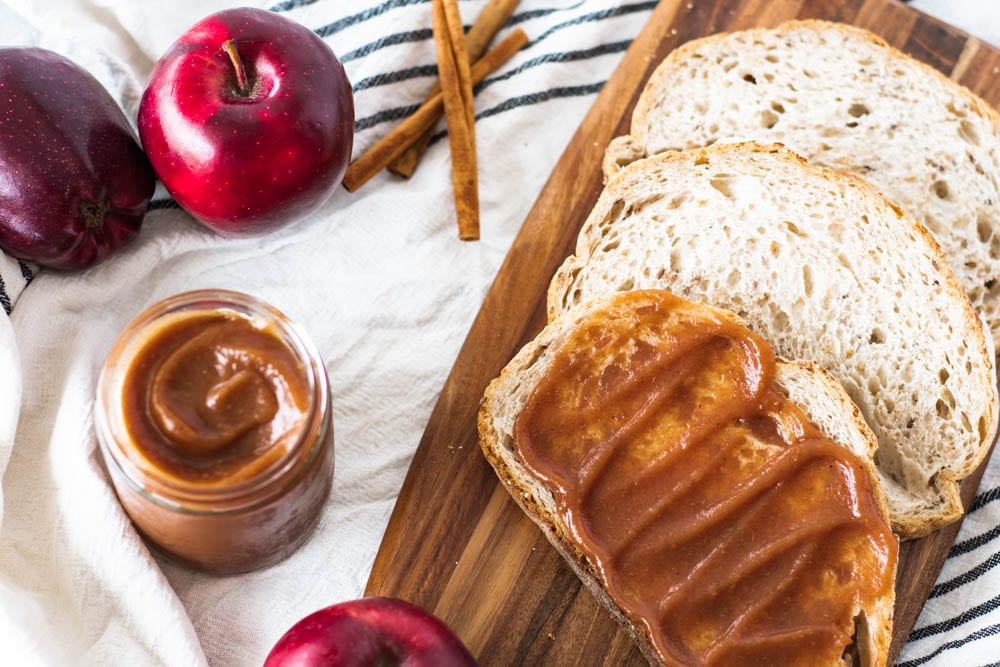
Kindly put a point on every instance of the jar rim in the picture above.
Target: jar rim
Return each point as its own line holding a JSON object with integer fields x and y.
{"x": 189, "y": 497}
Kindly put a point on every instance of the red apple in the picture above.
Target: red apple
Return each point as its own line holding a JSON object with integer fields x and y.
{"x": 370, "y": 632}
{"x": 248, "y": 119}
{"x": 74, "y": 184}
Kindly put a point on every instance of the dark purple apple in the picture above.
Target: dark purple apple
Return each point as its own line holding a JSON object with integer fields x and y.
{"x": 370, "y": 632}
{"x": 248, "y": 119}
{"x": 74, "y": 183}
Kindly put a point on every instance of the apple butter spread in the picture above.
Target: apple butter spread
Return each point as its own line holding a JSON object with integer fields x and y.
{"x": 214, "y": 420}
{"x": 715, "y": 515}
{"x": 211, "y": 397}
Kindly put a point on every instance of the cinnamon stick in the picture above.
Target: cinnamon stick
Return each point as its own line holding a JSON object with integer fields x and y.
{"x": 456, "y": 91}
{"x": 425, "y": 118}
{"x": 490, "y": 20}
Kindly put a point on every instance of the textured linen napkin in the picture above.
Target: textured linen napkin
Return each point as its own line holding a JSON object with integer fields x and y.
{"x": 380, "y": 281}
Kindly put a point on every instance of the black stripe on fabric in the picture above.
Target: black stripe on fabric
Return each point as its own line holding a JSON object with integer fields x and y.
{"x": 291, "y": 4}
{"x": 538, "y": 13}
{"x": 431, "y": 70}
{"x": 395, "y": 77}
{"x": 389, "y": 40}
{"x": 974, "y": 543}
{"x": 340, "y": 24}
{"x": 595, "y": 16}
{"x": 159, "y": 204}
{"x": 426, "y": 33}
{"x": 506, "y": 105}
{"x": 543, "y": 96}
{"x": 988, "y": 631}
{"x": 26, "y": 272}
{"x": 4, "y": 299}
{"x": 397, "y": 113}
{"x": 955, "y": 621}
{"x": 983, "y": 499}
{"x": 383, "y": 116}
{"x": 360, "y": 17}
{"x": 966, "y": 577}
{"x": 530, "y": 99}
{"x": 560, "y": 57}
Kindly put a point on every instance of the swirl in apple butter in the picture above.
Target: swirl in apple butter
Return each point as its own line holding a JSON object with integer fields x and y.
{"x": 212, "y": 398}
{"x": 714, "y": 513}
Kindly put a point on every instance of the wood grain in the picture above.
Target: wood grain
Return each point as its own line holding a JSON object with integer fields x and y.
{"x": 456, "y": 544}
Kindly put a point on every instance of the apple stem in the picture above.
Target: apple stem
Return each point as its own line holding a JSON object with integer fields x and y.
{"x": 229, "y": 46}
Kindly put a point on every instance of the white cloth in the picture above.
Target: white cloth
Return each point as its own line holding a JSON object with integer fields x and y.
{"x": 379, "y": 280}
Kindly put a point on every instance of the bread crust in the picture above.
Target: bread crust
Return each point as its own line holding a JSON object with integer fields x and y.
{"x": 798, "y": 379}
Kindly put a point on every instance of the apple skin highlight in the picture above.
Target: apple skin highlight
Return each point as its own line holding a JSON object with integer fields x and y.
{"x": 248, "y": 152}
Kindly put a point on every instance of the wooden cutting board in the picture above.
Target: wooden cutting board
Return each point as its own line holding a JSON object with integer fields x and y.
{"x": 456, "y": 543}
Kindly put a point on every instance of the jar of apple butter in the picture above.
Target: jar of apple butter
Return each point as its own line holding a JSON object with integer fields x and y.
{"x": 214, "y": 419}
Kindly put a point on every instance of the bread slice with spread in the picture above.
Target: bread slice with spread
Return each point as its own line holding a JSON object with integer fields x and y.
{"x": 823, "y": 267}
{"x": 840, "y": 97}
{"x": 720, "y": 504}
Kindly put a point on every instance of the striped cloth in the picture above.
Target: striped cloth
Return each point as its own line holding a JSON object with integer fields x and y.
{"x": 385, "y": 289}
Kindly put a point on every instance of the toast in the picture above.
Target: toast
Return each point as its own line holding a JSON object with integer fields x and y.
{"x": 840, "y": 97}
{"x": 815, "y": 392}
{"x": 825, "y": 268}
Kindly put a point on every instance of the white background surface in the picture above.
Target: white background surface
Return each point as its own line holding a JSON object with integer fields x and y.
{"x": 377, "y": 277}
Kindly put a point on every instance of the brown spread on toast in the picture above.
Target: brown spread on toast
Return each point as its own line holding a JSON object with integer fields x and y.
{"x": 714, "y": 514}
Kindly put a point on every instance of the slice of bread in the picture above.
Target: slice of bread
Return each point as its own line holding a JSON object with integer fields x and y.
{"x": 814, "y": 390}
{"x": 841, "y": 97}
{"x": 823, "y": 267}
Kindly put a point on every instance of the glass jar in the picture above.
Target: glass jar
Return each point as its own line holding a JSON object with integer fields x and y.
{"x": 214, "y": 420}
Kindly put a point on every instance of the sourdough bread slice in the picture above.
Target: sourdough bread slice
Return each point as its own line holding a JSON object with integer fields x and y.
{"x": 823, "y": 267}
{"x": 814, "y": 390}
{"x": 841, "y": 97}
